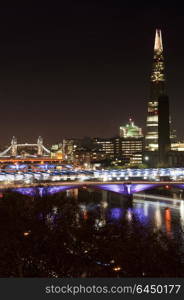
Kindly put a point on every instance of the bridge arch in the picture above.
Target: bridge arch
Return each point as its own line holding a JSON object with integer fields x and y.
{"x": 122, "y": 189}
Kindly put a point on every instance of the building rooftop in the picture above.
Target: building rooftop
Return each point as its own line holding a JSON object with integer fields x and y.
{"x": 130, "y": 130}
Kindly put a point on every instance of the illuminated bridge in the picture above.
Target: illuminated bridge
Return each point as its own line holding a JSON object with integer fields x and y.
{"x": 14, "y": 149}
{"x": 125, "y": 181}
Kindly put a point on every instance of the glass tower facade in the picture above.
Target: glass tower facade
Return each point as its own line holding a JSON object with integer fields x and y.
{"x": 157, "y": 89}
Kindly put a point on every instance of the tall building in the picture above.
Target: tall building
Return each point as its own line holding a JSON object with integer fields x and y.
{"x": 130, "y": 145}
{"x": 164, "y": 143}
{"x": 69, "y": 148}
{"x": 157, "y": 89}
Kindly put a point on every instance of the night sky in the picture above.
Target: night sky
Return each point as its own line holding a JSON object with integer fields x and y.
{"x": 82, "y": 68}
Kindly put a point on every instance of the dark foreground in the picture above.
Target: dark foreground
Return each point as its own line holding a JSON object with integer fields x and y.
{"x": 64, "y": 236}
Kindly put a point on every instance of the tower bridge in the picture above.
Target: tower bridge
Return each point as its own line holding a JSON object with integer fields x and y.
{"x": 15, "y": 150}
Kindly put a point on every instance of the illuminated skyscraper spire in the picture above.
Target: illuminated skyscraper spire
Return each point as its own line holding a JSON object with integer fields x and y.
{"x": 158, "y": 41}
{"x": 157, "y": 75}
{"x": 157, "y": 89}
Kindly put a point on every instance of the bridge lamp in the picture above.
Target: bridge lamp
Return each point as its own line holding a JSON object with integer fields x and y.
{"x": 178, "y": 172}
{"x": 96, "y": 175}
{"x": 104, "y": 178}
{"x": 27, "y": 181}
{"x": 82, "y": 178}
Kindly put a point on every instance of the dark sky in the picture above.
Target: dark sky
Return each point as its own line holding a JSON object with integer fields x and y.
{"x": 82, "y": 68}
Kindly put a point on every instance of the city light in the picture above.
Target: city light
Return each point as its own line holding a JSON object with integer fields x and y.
{"x": 27, "y": 233}
{"x": 102, "y": 196}
{"x": 117, "y": 269}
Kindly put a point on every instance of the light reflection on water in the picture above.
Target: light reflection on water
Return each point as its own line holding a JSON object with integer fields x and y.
{"x": 81, "y": 219}
{"x": 156, "y": 212}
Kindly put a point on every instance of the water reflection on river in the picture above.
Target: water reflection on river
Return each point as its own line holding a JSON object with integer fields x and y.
{"x": 82, "y": 233}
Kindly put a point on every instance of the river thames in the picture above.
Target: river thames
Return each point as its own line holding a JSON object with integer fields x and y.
{"x": 87, "y": 233}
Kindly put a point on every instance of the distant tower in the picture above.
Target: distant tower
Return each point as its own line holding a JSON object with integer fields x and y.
{"x": 14, "y": 146}
{"x": 40, "y": 144}
{"x": 157, "y": 89}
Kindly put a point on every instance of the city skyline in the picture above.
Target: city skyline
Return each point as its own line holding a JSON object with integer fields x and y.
{"x": 91, "y": 146}
{"x": 41, "y": 79}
